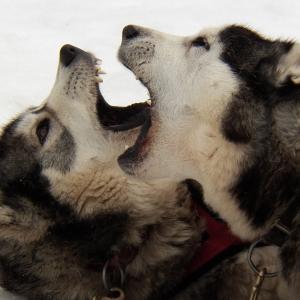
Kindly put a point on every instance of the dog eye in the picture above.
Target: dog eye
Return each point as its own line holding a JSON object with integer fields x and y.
{"x": 42, "y": 130}
{"x": 200, "y": 42}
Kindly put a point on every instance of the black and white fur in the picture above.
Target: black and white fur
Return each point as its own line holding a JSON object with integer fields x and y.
{"x": 66, "y": 207}
{"x": 226, "y": 113}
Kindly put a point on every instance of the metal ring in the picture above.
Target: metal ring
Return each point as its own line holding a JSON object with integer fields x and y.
{"x": 253, "y": 266}
{"x": 104, "y": 275}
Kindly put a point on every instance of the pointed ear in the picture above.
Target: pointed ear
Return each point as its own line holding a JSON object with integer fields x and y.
{"x": 288, "y": 68}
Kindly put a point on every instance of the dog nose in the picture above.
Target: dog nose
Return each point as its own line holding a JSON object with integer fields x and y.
{"x": 67, "y": 54}
{"x": 130, "y": 32}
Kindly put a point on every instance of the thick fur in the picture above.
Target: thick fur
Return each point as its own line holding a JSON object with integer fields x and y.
{"x": 226, "y": 113}
{"x": 66, "y": 207}
{"x": 232, "y": 279}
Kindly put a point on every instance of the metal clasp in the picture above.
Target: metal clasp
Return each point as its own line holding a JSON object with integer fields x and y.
{"x": 261, "y": 274}
{"x": 113, "y": 278}
{"x": 115, "y": 294}
{"x": 257, "y": 285}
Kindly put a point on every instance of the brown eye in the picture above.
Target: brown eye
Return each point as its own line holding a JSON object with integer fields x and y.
{"x": 200, "y": 42}
{"x": 42, "y": 130}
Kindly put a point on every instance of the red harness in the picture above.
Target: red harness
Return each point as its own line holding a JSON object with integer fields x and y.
{"x": 219, "y": 240}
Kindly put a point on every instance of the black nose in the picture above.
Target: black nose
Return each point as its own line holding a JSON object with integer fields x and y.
{"x": 130, "y": 32}
{"x": 67, "y": 54}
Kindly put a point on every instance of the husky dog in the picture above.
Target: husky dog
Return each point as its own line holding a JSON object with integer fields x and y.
{"x": 70, "y": 219}
{"x": 225, "y": 112}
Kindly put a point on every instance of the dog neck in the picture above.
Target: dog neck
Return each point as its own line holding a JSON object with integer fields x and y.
{"x": 200, "y": 153}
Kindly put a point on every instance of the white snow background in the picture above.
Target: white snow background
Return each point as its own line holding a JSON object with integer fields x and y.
{"x": 32, "y": 32}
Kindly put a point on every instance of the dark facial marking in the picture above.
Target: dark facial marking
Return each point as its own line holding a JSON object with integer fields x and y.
{"x": 16, "y": 156}
{"x": 267, "y": 181}
{"x": 42, "y": 130}
{"x": 62, "y": 155}
{"x": 253, "y": 59}
{"x": 20, "y": 173}
{"x": 244, "y": 118}
{"x": 250, "y": 56}
{"x": 201, "y": 42}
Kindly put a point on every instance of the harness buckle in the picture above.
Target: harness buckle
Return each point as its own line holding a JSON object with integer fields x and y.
{"x": 113, "y": 278}
{"x": 253, "y": 266}
{"x": 261, "y": 274}
{"x": 257, "y": 285}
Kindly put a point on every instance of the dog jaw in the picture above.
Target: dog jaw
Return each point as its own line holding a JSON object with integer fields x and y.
{"x": 66, "y": 201}
{"x": 196, "y": 130}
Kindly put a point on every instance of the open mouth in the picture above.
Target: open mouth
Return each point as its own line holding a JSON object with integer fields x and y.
{"x": 130, "y": 160}
{"x": 115, "y": 118}
{"x": 136, "y": 154}
{"x": 119, "y": 118}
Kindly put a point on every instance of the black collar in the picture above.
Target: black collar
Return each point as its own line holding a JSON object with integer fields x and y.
{"x": 282, "y": 229}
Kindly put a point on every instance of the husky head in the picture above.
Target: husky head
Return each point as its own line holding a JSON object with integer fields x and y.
{"x": 208, "y": 65}
{"x": 50, "y": 147}
{"x": 56, "y": 164}
{"x": 66, "y": 206}
{"x": 213, "y": 95}
{"x": 196, "y": 77}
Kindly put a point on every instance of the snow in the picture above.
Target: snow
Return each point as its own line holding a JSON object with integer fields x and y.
{"x": 32, "y": 31}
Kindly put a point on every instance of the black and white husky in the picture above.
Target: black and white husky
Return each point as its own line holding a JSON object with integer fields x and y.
{"x": 225, "y": 112}
{"x": 71, "y": 220}
{"x": 69, "y": 217}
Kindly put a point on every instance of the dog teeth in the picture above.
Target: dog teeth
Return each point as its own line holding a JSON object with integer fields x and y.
{"x": 99, "y": 70}
{"x": 98, "y": 61}
{"x": 149, "y": 102}
{"x": 98, "y": 79}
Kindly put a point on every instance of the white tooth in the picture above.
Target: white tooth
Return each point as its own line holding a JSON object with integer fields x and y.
{"x": 98, "y": 79}
{"x": 126, "y": 147}
{"x": 149, "y": 102}
{"x": 100, "y": 71}
{"x": 98, "y": 61}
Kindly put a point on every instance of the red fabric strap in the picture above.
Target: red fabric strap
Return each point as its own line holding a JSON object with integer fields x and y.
{"x": 219, "y": 239}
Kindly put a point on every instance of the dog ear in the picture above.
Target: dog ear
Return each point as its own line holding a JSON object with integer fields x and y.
{"x": 288, "y": 68}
